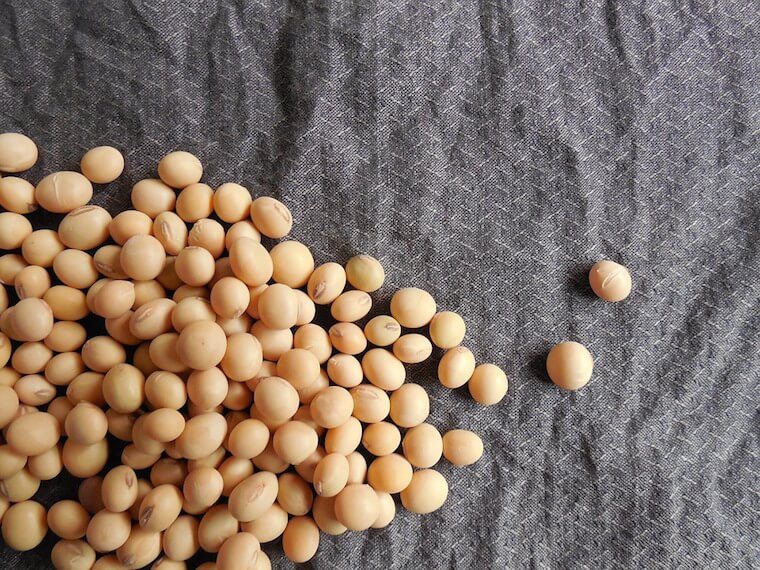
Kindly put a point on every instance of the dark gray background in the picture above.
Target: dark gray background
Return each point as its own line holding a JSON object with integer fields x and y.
{"x": 488, "y": 151}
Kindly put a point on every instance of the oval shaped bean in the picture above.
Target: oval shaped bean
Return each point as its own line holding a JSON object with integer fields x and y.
{"x": 412, "y": 307}
{"x": 426, "y": 493}
{"x": 271, "y": 217}
{"x": 300, "y": 540}
{"x": 31, "y": 281}
{"x": 348, "y": 338}
{"x": 62, "y": 192}
{"x": 17, "y": 152}
{"x": 365, "y": 273}
{"x": 253, "y": 496}
{"x": 462, "y": 447}
{"x": 202, "y": 435}
{"x": 351, "y": 306}
{"x": 371, "y": 404}
{"x": 85, "y": 227}
{"x": 456, "y": 367}
{"x": 24, "y": 525}
{"x": 68, "y": 519}
{"x": 356, "y": 507}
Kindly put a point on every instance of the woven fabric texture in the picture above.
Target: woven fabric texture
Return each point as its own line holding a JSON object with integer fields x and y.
{"x": 490, "y": 152}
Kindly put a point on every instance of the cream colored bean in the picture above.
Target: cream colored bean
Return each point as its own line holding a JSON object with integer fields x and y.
{"x": 152, "y": 196}
{"x": 194, "y": 202}
{"x": 239, "y": 552}
{"x": 107, "y": 260}
{"x": 32, "y": 319}
{"x": 67, "y": 303}
{"x": 382, "y": 438}
{"x": 252, "y": 497}
{"x": 386, "y": 510}
{"x": 207, "y": 388}
{"x": 292, "y": 263}
{"x": 250, "y": 261}
{"x": 326, "y": 283}
{"x": 412, "y": 307}
{"x": 315, "y": 339}
{"x": 348, "y": 338}
{"x": 17, "y": 195}
{"x": 294, "y": 441}
{"x": 84, "y": 460}
{"x": 8, "y": 376}
{"x": 11, "y": 461}
{"x": 208, "y": 234}
{"x": 130, "y": 223}
{"x": 462, "y": 447}
{"x": 230, "y": 297}
{"x": 62, "y": 192}
{"x": 75, "y": 268}
{"x": 426, "y": 493}
{"x": 152, "y": 319}
{"x": 278, "y": 307}
{"x": 412, "y": 348}
{"x": 356, "y": 507}
{"x": 68, "y": 519}
{"x": 120, "y": 425}
{"x": 203, "y": 486}
{"x": 332, "y": 407}
{"x": 20, "y": 486}
{"x": 269, "y": 526}
{"x": 168, "y": 471}
{"x": 24, "y": 525}
{"x": 351, "y": 306}
{"x": 171, "y": 231}
{"x": 14, "y": 229}
{"x": 345, "y": 370}
{"x": 456, "y": 367}
{"x": 365, "y": 273}
{"x": 86, "y": 424}
{"x": 306, "y": 395}
{"x": 234, "y": 326}
{"x": 294, "y": 494}
{"x": 142, "y": 257}
{"x": 34, "y": 433}
{"x": 85, "y": 227}
{"x": 202, "y": 435}
{"x": 271, "y": 217}
{"x": 202, "y": 345}
{"x": 610, "y": 281}
{"x": 72, "y": 555}
{"x": 383, "y": 369}
{"x": 40, "y": 248}
{"x": 488, "y": 384}
{"x": 146, "y": 291}
{"x": 34, "y": 390}
{"x": 102, "y": 164}
{"x": 164, "y": 424}
{"x": 66, "y": 336}
{"x": 371, "y": 404}
{"x": 345, "y": 438}
{"x": 390, "y": 473}
{"x": 268, "y": 460}
{"x": 410, "y": 405}
{"x": 114, "y": 299}
{"x": 447, "y": 329}
{"x": 274, "y": 342}
{"x": 190, "y": 310}
{"x": 300, "y": 540}
{"x": 244, "y": 228}
{"x": 124, "y": 388}
{"x": 102, "y": 353}
{"x": 63, "y": 368}
{"x": 47, "y": 465}
{"x": 331, "y": 475}
{"x": 357, "y": 468}
{"x": 31, "y": 357}
{"x": 165, "y": 390}
{"x": 299, "y": 367}
{"x": 141, "y": 548}
{"x": 17, "y": 152}
{"x": 86, "y": 387}
{"x": 194, "y": 266}
{"x": 160, "y": 508}
{"x": 232, "y": 202}
{"x": 216, "y": 526}
{"x": 180, "y": 540}
{"x": 180, "y": 169}
{"x": 324, "y": 515}
{"x": 119, "y": 489}
{"x": 569, "y": 365}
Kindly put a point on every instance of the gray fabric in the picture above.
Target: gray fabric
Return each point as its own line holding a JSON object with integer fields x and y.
{"x": 490, "y": 152}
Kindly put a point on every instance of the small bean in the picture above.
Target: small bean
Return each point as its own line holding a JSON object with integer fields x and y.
{"x": 271, "y": 217}
{"x": 426, "y": 493}
{"x": 412, "y": 307}
{"x": 390, "y": 473}
{"x": 14, "y": 229}
{"x": 300, "y": 540}
{"x": 365, "y": 273}
{"x": 345, "y": 370}
{"x": 17, "y": 152}
{"x": 456, "y": 367}
{"x": 180, "y": 169}
{"x": 17, "y": 195}
{"x": 356, "y": 507}
{"x": 348, "y": 338}
{"x": 40, "y": 247}
{"x": 85, "y": 227}
{"x": 24, "y": 525}
{"x": 102, "y": 164}
{"x": 351, "y": 306}
{"x": 194, "y": 202}
{"x": 62, "y": 192}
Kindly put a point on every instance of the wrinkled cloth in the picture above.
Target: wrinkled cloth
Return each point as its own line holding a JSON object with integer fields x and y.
{"x": 490, "y": 152}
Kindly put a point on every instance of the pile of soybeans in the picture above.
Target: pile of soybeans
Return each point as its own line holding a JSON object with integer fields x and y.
{"x": 240, "y": 420}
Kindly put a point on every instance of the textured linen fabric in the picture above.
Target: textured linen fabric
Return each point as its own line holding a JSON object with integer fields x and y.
{"x": 490, "y": 152}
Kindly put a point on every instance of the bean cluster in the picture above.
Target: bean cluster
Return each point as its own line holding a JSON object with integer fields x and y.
{"x": 241, "y": 419}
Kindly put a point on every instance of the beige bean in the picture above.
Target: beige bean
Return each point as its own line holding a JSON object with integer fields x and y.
{"x": 488, "y": 384}
{"x": 62, "y": 192}
{"x": 130, "y": 223}
{"x": 216, "y": 526}
{"x": 10, "y": 265}
{"x": 86, "y": 387}
{"x": 307, "y": 467}
{"x": 269, "y": 525}
{"x": 68, "y": 519}
{"x": 180, "y": 540}
{"x": 345, "y": 438}
{"x": 17, "y": 152}
{"x": 207, "y": 388}
{"x": 20, "y": 486}
{"x": 165, "y": 390}
{"x": 72, "y": 555}
{"x": 324, "y": 515}
{"x": 382, "y": 438}
{"x": 390, "y": 473}
{"x": 194, "y": 266}
{"x": 294, "y": 441}
{"x": 300, "y": 540}
{"x": 89, "y": 494}
{"x": 168, "y": 471}
{"x": 249, "y": 438}
{"x": 47, "y": 465}
{"x": 410, "y": 405}
{"x": 84, "y": 460}
{"x": 232, "y": 202}
{"x": 11, "y": 461}
{"x": 208, "y": 234}
{"x": 160, "y": 508}
{"x": 24, "y": 525}
{"x": 66, "y": 336}
{"x": 119, "y": 489}
{"x": 447, "y": 329}
{"x": 250, "y": 261}
{"x": 356, "y": 507}
{"x": 142, "y": 257}
{"x": 239, "y": 552}
{"x": 278, "y": 307}
{"x": 152, "y": 319}
{"x": 348, "y": 338}
{"x": 294, "y": 494}
{"x": 332, "y": 407}
{"x": 357, "y": 468}
{"x": 164, "y": 424}
{"x": 40, "y": 248}
{"x": 331, "y": 475}
{"x": 63, "y": 368}
{"x": 371, "y": 404}
{"x": 31, "y": 357}
{"x": 306, "y": 395}
{"x": 351, "y": 306}
{"x": 102, "y": 164}
{"x": 141, "y": 548}
{"x": 17, "y": 195}
{"x": 412, "y": 348}
{"x": 383, "y": 369}
{"x": 386, "y": 510}
{"x": 107, "y": 260}
{"x": 230, "y": 297}
{"x": 456, "y": 367}
{"x": 292, "y": 263}
{"x": 124, "y": 388}
{"x": 31, "y": 281}
{"x": 252, "y": 497}
{"x": 114, "y": 299}
{"x": 298, "y": 366}
{"x": 86, "y": 424}
{"x": 194, "y": 202}
{"x": 120, "y": 425}
{"x": 171, "y": 231}
{"x": 67, "y": 303}
{"x": 85, "y": 227}
{"x": 412, "y": 307}
{"x": 569, "y": 365}
{"x": 14, "y": 229}
{"x": 315, "y": 339}
{"x": 365, "y": 273}
{"x": 75, "y": 268}
{"x": 101, "y": 353}
{"x": 326, "y": 283}
{"x": 201, "y": 345}
{"x": 426, "y": 493}
{"x": 202, "y": 435}
{"x": 271, "y": 217}
{"x": 32, "y": 434}
{"x": 345, "y": 370}
{"x": 32, "y": 319}
{"x": 274, "y": 342}
{"x": 180, "y": 169}
{"x": 243, "y": 228}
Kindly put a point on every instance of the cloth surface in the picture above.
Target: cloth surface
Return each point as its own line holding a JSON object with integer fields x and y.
{"x": 490, "y": 152}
